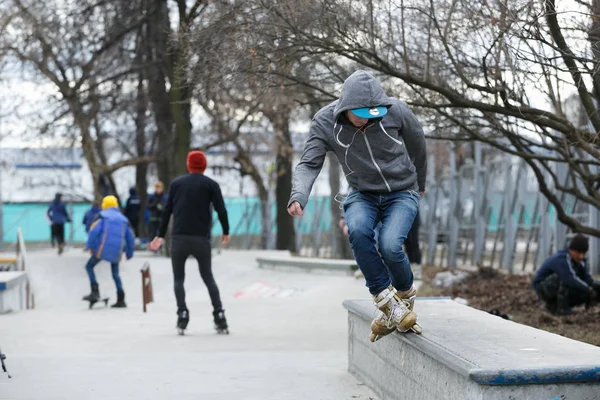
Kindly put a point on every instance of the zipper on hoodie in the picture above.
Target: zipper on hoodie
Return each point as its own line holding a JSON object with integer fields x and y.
{"x": 373, "y": 159}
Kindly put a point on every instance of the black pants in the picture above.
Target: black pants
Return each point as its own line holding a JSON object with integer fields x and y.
{"x": 135, "y": 226}
{"x": 58, "y": 233}
{"x": 411, "y": 243}
{"x": 559, "y": 297}
{"x": 153, "y": 228}
{"x": 200, "y": 248}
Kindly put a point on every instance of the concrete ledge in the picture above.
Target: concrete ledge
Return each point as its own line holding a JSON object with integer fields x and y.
{"x": 307, "y": 263}
{"x": 11, "y": 279}
{"x": 12, "y": 291}
{"x": 469, "y": 354}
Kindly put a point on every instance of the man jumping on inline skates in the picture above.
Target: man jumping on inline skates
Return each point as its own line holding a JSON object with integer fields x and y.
{"x": 374, "y": 137}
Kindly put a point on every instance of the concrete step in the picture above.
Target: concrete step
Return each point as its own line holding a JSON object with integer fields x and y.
{"x": 308, "y": 263}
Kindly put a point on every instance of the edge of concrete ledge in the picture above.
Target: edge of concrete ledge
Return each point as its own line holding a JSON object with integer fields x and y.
{"x": 528, "y": 376}
{"x": 490, "y": 377}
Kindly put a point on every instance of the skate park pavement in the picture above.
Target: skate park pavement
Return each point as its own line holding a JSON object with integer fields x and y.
{"x": 288, "y": 334}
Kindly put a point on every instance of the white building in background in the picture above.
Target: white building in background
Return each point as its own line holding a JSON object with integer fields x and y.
{"x": 36, "y": 174}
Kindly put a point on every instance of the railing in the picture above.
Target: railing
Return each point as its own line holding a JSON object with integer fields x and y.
{"x": 22, "y": 266}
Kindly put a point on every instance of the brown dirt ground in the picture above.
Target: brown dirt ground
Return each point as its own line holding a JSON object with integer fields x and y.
{"x": 513, "y": 295}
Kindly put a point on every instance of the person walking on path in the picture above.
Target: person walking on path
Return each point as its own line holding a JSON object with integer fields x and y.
{"x": 57, "y": 213}
{"x": 190, "y": 201}
{"x": 107, "y": 238}
{"x": 374, "y": 137}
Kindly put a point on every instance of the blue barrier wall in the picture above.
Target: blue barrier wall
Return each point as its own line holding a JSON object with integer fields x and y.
{"x": 244, "y": 217}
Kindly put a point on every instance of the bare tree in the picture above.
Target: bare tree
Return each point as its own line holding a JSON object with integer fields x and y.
{"x": 496, "y": 72}
{"x": 234, "y": 83}
{"x": 79, "y": 49}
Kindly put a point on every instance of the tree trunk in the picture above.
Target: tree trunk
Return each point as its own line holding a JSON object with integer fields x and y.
{"x": 141, "y": 170}
{"x": 157, "y": 54}
{"x": 594, "y": 38}
{"x": 106, "y": 177}
{"x": 180, "y": 111}
{"x": 89, "y": 153}
{"x": 265, "y": 223}
{"x": 248, "y": 168}
{"x": 286, "y": 234}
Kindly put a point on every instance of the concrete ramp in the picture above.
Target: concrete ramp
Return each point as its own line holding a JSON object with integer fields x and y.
{"x": 465, "y": 353}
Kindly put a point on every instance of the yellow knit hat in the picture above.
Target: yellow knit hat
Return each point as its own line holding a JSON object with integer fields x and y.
{"x": 109, "y": 202}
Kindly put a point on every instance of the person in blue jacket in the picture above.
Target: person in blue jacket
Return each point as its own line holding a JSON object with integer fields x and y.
{"x": 57, "y": 213}
{"x": 563, "y": 281}
{"x": 91, "y": 215}
{"x": 107, "y": 238}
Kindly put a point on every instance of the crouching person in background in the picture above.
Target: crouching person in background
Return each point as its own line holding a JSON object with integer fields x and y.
{"x": 107, "y": 238}
{"x": 563, "y": 281}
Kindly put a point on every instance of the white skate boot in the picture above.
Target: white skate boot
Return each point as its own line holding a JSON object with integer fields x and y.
{"x": 382, "y": 326}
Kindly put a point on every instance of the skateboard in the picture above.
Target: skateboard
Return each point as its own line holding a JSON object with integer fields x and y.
{"x": 104, "y": 300}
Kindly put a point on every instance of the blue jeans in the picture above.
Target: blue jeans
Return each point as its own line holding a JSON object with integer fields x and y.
{"x": 89, "y": 267}
{"x": 396, "y": 211}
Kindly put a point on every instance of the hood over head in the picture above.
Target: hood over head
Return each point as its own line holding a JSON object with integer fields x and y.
{"x": 361, "y": 90}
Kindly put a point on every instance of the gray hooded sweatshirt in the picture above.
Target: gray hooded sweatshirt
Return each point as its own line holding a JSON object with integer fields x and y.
{"x": 376, "y": 160}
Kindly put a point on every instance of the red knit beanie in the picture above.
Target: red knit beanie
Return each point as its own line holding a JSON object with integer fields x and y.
{"x": 196, "y": 161}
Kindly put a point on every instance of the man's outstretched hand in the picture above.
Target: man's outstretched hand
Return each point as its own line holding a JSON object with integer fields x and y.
{"x": 295, "y": 209}
{"x": 155, "y": 243}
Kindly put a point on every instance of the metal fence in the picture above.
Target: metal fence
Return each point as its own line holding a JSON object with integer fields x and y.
{"x": 489, "y": 213}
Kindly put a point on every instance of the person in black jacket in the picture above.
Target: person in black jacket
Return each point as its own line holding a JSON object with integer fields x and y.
{"x": 132, "y": 210}
{"x": 563, "y": 280}
{"x": 155, "y": 207}
{"x": 190, "y": 199}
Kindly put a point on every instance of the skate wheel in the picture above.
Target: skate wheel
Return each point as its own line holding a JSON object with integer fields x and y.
{"x": 416, "y": 328}
{"x": 373, "y": 337}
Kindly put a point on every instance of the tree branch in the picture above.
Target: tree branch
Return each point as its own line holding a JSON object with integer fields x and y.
{"x": 107, "y": 169}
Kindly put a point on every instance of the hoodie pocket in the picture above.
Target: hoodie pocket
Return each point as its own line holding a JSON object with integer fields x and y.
{"x": 402, "y": 168}
{"x": 371, "y": 183}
